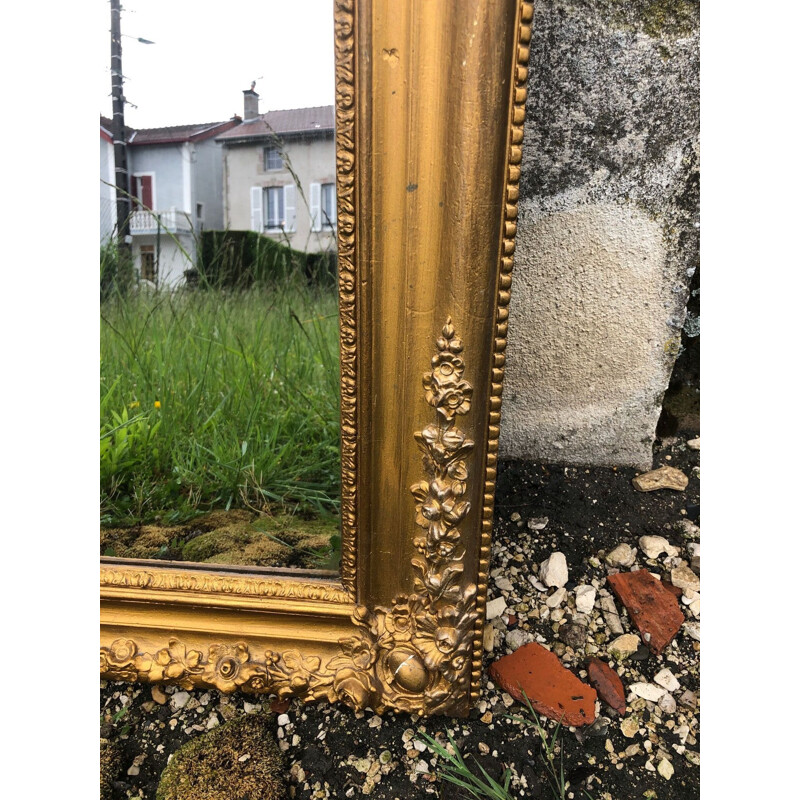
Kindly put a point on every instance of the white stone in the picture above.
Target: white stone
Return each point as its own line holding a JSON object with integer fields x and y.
{"x": 584, "y": 599}
{"x": 694, "y": 552}
{"x": 693, "y": 444}
{"x": 623, "y": 555}
{"x": 488, "y": 638}
{"x": 666, "y": 679}
{"x": 610, "y": 614}
{"x": 688, "y": 529}
{"x": 557, "y": 598}
{"x": 179, "y": 700}
{"x": 665, "y": 769}
{"x": 647, "y": 691}
{"x": 694, "y": 606}
{"x": 654, "y": 546}
{"x": 667, "y": 704}
{"x": 688, "y": 596}
{"x": 283, "y": 720}
{"x": 516, "y": 638}
{"x": 693, "y": 629}
{"x": 538, "y": 524}
{"x": 421, "y": 766}
{"x": 684, "y": 578}
{"x": 504, "y": 584}
{"x": 553, "y": 571}
{"x": 624, "y": 646}
{"x": 494, "y": 608}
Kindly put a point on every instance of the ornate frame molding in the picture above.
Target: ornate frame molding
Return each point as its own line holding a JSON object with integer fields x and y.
{"x": 429, "y": 128}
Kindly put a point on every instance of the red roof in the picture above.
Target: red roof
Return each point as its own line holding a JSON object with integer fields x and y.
{"x": 288, "y": 122}
{"x": 181, "y": 133}
{"x": 105, "y": 128}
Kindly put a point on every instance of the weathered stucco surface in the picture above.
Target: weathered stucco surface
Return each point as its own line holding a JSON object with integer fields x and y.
{"x": 608, "y": 228}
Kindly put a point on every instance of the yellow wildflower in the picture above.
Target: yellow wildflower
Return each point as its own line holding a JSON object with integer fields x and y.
{"x": 134, "y": 404}
{"x": 157, "y": 404}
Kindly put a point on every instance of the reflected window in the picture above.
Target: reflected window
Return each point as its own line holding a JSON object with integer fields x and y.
{"x": 328, "y": 205}
{"x": 272, "y": 158}
{"x": 273, "y": 202}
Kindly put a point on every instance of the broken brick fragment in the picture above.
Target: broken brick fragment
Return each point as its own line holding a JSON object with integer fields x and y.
{"x": 653, "y": 608}
{"x": 552, "y": 689}
{"x": 607, "y": 683}
{"x": 280, "y": 706}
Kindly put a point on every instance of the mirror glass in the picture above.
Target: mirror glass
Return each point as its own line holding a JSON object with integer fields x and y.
{"x": 219, "y": 373}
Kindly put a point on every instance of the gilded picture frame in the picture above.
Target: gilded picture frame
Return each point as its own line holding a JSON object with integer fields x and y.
{"x": 430, "y": 102}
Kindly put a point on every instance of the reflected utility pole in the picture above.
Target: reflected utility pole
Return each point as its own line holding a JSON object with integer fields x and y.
{"x": 118, "y": 134}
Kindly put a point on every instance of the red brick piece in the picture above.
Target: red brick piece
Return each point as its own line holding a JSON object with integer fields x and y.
{"x": 667, "y": 584}
{"x": 608, "y": 684}
{"x": 653, "y": 608}
{"x": 279, "y": 706}
{"x": 552, "y": 689}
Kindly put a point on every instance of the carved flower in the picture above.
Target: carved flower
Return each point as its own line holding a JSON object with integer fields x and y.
{"x": 353, "y": 686}
{"x": 457, "y": 472}
{"x": 299, "y": 672}
{"x": 258, "y": 680}
{"x": 224, "y": 669}
{"x": 400, "y": 621}
{"x": 121, "y": 661}
{"x": 174, "y": 662}
{"x": 122, "y": 652}
{"x": 444, "y": 639}
{"x": 450, "y": 398}
{"x": 456, "y": 399}
{"x": 360, "y": 651}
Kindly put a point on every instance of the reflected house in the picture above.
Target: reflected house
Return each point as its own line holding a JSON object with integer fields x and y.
{"x": 176, "y": 180}
{"x": 280, "y": 175}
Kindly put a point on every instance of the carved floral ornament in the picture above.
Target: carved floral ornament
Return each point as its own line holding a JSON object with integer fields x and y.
{"x": 413, "y": 656}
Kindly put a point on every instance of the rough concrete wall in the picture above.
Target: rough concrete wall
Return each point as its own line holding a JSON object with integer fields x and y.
{"x": 608, "y": 236}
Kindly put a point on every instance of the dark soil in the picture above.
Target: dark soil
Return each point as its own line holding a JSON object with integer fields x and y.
{"x": 590, "y": 511}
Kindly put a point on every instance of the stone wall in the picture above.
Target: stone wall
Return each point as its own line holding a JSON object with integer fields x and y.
{"x": 608, "y": 235}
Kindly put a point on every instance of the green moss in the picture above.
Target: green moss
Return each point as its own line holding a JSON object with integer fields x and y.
{"x": 676, "y": 17}
{"x": 110, "y": 761}
{"x": 145, "y": 542}
{"x": 219, "y": 540}
{"x": 214, "y": 766}
{"x": 656, "y": 18}
{"x": 230, "y": 537}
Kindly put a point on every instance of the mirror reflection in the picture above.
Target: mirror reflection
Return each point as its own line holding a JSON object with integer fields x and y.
{"x": 219, "y": 373}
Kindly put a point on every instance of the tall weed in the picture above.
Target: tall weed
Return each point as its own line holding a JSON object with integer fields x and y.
{"x": 219, "y": 398}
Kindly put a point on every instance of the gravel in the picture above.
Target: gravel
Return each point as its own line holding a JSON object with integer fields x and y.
{"x": 333, "y": 752}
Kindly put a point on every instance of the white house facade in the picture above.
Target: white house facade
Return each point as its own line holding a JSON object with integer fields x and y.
{"x": 176, "y": 185}
{"x": 279, "y": 175}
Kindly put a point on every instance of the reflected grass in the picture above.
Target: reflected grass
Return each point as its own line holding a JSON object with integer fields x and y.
{"x": 219, "y": 399}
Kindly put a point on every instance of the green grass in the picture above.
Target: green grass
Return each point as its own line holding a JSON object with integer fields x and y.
{"x": 218, "y": 399}
{"x": 477, "y": 783}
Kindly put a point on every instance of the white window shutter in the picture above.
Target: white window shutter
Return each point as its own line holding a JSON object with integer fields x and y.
{"x": 289, "y": 208}
{"x": 256, "y": 209}
{"x": 316, "y": 216}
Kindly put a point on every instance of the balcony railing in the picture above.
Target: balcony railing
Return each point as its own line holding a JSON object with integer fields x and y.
{"x": 172, "y": 220}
